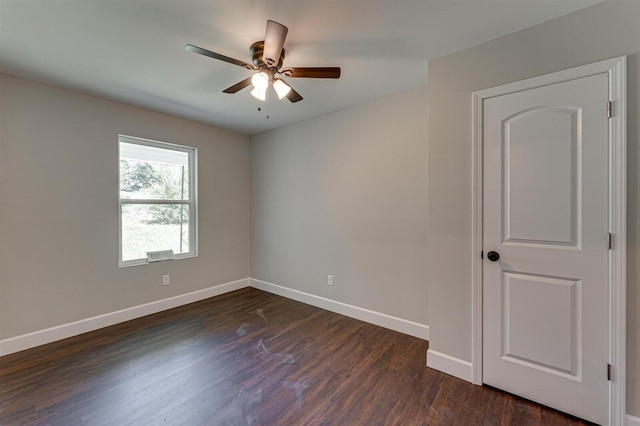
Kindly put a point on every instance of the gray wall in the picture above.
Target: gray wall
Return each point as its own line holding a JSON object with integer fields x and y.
{"x": 345, "y": 194}
{"x": 599, "y": 32}
{"x": 59, "y": 209}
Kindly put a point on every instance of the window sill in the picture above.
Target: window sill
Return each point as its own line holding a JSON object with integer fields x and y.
{"x": 139, "y": 262}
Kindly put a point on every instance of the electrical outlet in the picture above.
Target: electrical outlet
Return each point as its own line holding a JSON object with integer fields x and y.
{"x": 330, "y": 280}
{"x": 166, "y": 279}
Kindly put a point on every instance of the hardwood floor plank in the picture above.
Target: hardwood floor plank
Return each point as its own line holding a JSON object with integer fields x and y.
{"x": 247, "y": 357}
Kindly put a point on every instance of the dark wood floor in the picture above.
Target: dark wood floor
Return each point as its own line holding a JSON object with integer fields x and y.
{"x": 247, "y": 357}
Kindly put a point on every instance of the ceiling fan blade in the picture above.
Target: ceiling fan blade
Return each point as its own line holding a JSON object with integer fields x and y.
{"x": 238, "y": 86}
{"x": 312, "y": 72}
{"x": 273, "y": 42}
{"x": 214, "y": 55}
{"x": 294, "y": 96}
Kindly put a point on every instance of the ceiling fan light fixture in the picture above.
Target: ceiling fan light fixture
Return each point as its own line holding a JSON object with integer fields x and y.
{"x": 260, "y": 94}
{"x": 260, "y": 81}
{"x": 281, "y": 88}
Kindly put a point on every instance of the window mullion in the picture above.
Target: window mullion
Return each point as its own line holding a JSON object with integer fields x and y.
{"x": 139, "y": 201}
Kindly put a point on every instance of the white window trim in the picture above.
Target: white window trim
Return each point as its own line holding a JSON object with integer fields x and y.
{"x": 192, "y": 202}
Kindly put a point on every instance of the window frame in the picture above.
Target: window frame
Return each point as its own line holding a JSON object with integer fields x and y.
{"x": 192, "y": 202}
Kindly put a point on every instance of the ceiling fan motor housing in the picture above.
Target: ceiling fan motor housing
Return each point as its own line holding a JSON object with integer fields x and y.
{"x": 257, "y": 57}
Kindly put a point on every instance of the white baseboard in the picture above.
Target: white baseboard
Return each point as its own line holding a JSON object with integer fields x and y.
{"x": 383, "y": 320}
{"x": 41, "y": 337}
{"x": 449, "y": 365}
{"x": 462, "y": 370}
{"x": 633, "y": 420}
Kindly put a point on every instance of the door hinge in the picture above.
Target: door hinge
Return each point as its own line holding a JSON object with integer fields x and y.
{"x": 610, "y": 240}
{"x": 609, "y": 109}
{"x": 609, "y": 372}
{"x": 482, "y": 255}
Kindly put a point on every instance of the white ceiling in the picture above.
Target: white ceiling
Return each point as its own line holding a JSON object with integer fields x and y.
{"x": 133, "y": 50}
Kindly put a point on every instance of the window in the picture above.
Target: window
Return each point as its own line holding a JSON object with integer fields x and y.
{"x": 157, "y": 199}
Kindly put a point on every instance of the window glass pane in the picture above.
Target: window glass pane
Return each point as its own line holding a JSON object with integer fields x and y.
{"x": 149, "y": 180}
{"x": 152, "y": 227}
{"x": 154, "y": 154}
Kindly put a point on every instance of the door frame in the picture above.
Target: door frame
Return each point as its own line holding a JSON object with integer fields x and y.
{"x": 616, "y": 70}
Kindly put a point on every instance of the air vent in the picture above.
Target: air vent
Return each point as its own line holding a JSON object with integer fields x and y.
{"x": 156, "y": 256}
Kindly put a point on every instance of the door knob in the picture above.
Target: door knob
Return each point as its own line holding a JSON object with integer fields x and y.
{"x": 493, "y": 256}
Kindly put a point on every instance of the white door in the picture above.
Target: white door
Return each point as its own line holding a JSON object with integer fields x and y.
{"x": 545, "y": 306}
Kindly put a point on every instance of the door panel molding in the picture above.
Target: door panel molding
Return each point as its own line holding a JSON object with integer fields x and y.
{"x": 520, "y": 349}
{"x": 517, "y": 229}
{"x": 616, "y": 71}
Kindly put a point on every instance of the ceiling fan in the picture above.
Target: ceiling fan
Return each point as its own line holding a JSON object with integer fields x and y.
{"x": 267, "y": 56}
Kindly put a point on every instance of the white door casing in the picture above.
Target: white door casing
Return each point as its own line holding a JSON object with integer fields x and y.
{"x": 550, "y": 177}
